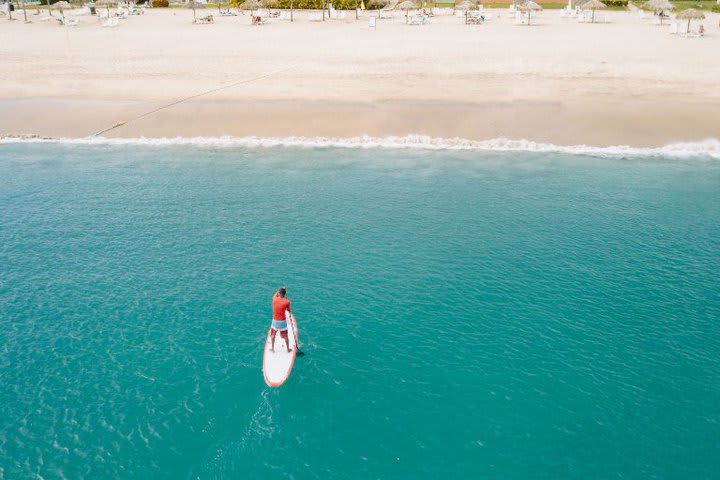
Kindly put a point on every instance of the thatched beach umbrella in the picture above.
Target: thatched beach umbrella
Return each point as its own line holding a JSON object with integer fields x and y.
{"x": 251, "y": 5}
{"x": 62, "y": 6}
{"x": 530, "y": 7}
{"x": 194, "y": 5}
{"x": 107, "y": 4}
{"x": 407, "y": 5}
{"x": 465, "y": 5}
{"x": 658, "y": 7}
{"x": 377, "y": 3}
{"x": 593, "y": 5}
{"x": 690, "y": 14}
{"x": 268, "y": 4}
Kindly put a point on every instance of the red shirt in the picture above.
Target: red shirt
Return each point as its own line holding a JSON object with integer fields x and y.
{"x": 280, "y": 304}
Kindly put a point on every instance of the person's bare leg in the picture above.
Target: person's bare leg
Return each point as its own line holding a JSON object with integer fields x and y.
{"x": 287, "y": 342}
{"x": 272, "y": 343}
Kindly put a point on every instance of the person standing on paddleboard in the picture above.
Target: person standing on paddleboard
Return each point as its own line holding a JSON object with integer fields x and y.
{"x": 279, "y": 323}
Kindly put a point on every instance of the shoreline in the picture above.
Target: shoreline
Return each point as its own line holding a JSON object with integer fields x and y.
{"x": 627, "y": 122}
{"x": 706, "y": 149}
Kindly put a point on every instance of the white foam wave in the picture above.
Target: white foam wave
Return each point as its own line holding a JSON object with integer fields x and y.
{"x": 707, "y": 148}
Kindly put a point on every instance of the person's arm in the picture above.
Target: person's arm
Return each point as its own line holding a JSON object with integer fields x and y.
{"x": 288, "y": 307}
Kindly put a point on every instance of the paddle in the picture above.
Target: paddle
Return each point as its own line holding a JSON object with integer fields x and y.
{"x": 298, "y": 352}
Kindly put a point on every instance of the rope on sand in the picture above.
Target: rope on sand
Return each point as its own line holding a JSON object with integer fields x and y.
{"x": 207, "y": 92}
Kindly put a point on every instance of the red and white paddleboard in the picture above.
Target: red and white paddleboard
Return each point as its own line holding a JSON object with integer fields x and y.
{"x": 277, "y": 365}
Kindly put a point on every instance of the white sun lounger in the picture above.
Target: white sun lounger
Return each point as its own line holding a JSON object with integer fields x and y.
{"x": 111, "y": 22}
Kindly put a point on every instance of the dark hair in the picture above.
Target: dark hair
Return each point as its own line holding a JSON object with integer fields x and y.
{"x": 282, "y": 291}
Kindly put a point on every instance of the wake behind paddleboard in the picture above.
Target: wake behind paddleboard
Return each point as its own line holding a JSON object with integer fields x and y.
{"x": 277, "y": 365}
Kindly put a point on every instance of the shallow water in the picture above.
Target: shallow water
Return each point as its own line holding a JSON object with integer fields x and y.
{"x": 501, "y": 315}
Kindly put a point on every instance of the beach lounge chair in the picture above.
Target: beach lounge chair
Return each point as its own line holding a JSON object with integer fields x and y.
{"x": 69, "y": 21}
{"x": 315, "y": 17}
{"x": 227, "y": 13}
{"x": 204, "y": 20}
{"x": 417, "y": 20}
{"x": 111, "y": 22}
{"x": 473, "y": 17}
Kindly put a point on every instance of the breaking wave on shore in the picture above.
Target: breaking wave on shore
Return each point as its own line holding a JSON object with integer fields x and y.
{"x": 709, "y": 148}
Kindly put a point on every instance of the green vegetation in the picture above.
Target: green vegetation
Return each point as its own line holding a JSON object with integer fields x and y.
{"x": 612, "y": 5}
{"x": 680, "y": 5}
{"x": 546, "y": 6}
{"x": 696, "y": 4}
{"x": 706, "y": 5}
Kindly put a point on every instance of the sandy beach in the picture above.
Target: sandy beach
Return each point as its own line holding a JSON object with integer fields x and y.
{"x": 625, "y": 82}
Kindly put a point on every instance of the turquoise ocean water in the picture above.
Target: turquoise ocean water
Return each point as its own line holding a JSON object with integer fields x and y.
{"x": 464, "y": 314}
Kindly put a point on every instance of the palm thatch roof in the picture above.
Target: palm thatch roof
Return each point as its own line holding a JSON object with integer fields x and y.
{"x": 62, "y": 5}
{"x": 530, "y": 6}
{"x": 691, "y": 14}
{"x": 406, "y": 5}
{"x": 251, "y": 5}
{"x": 659, "y": 5}
{"x": 593, "y": 5}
